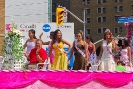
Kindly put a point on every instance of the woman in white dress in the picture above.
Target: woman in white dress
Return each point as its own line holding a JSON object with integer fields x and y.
{"x": 106, "y": 55}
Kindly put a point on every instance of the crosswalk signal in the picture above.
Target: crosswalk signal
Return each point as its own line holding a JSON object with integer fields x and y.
{"x": 59, "y": 16}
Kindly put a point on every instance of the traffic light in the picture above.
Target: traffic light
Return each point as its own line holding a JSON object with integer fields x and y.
{"x": 59, "y": 16}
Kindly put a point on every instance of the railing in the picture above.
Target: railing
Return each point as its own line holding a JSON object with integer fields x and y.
{"x": 114, "y": 37}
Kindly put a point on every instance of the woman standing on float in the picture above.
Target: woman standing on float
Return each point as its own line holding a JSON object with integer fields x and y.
{"x": 91, "y": 50}
{"x": 60, "y": 59}
{"x": 91, "y": 47}
{"x": 126, "y": 55}
{"x": 49, "y": 43}
{"x": 30, "y": 43}
{"x": 106, "y": 55}
{"x": 80, "y": 52}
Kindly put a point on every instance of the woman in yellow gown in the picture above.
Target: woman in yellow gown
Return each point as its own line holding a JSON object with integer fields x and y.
{"x": 60, "y": 59}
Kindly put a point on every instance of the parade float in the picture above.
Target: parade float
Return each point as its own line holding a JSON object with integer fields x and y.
{"x": 14, "y": 77}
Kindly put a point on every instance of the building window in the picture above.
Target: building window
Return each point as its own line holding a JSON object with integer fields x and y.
{"x": 118, "y": 30}
{"x": 99, "y": 10}
{"x": 116, "y": 18}
{"x": 118, "y": 8}
{"x": 115, "y": 8}
{"x": 101, "y": 19}
{"x": 88, "y": 20}
{"x": 117, "y": 0}
{"x": 104, "y": 19}
{"x": 88, "y": 2}
{"x": 87, "y": 11}
{"x": 104, "y": 10}
{"x": 104, "y": 29}
{"x": 101, "y": 1}
{"x": 99, "y": 30}
{"x": 88, "y": 30}
{"x": 131, "y": 7}
{"x": 83, "y": 2}
{"x": 104, "y": 1}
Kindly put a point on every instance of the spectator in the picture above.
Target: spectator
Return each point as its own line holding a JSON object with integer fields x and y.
{"x": 120, "y": 66}
{"x": 37, "y": 55}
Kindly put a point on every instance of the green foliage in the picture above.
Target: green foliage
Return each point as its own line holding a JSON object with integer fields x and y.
{"x": 13, "y": 46}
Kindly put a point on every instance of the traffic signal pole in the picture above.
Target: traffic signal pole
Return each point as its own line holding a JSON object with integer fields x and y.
{"x": 84, "y": 23}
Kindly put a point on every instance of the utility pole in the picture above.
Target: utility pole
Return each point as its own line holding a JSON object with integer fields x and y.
{"x": 83, "y": 22}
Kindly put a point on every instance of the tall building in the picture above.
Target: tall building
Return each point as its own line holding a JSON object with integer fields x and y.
{"x": 28, "y": 11}
{"x": 100, "y": 15}
{"x": 64, "y": 3}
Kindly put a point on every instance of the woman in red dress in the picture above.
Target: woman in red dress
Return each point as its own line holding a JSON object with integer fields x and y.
{"x": 91, "y": 49}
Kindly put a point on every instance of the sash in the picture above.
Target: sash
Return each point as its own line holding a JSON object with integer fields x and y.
{"x": 59, "y": 47}
{"x": 49, "y": 44}
{"x": 123, "y": 59}
{"x": 82, "y": 53}
{"x": 108, "y": 49}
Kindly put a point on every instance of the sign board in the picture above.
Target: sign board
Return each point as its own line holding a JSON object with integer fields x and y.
{"x": 125, "y": 19}
{"x": 67, "y": 30}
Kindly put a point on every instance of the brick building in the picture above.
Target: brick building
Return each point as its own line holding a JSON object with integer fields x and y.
{"x": 2, "y": 23}
{"x": 101, "y": 14}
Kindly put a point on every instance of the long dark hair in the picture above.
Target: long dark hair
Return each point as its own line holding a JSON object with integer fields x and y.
{"x": 126, "y": 44}
{"x": 89, "y": 37}
{"x": 52, "y": 33}
{"x": 33, "y": 32}
{"x": 55, "y": 35}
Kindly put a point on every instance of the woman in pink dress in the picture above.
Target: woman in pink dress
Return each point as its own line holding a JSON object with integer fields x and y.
{"x": 126, "y": 54}
{"x": 49, "y": 43}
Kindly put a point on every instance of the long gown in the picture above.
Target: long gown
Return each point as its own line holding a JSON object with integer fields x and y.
{"x": 124, "y": 57}
{"x": 80, "y": 61}
{"x": 60, "y": 59}
{"x": 107, "y": 60}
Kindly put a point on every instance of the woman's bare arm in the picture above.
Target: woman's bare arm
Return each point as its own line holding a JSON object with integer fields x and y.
{"x": 67, "y": 43}
{"x": 101, "y": 51}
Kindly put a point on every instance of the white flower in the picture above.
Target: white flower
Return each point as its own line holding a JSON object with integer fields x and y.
{"x": 17, "y": 32}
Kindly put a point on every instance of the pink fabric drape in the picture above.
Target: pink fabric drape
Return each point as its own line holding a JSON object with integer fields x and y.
{"x": 63, "y": 79}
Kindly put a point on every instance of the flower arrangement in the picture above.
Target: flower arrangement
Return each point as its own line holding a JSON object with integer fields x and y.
{"x": 129, "y": 27}
{"x": 13, "y": 46}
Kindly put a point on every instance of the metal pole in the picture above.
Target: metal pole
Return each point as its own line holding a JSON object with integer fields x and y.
{"x": 84, "y": 24}
{"x": 75, "y": 16}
